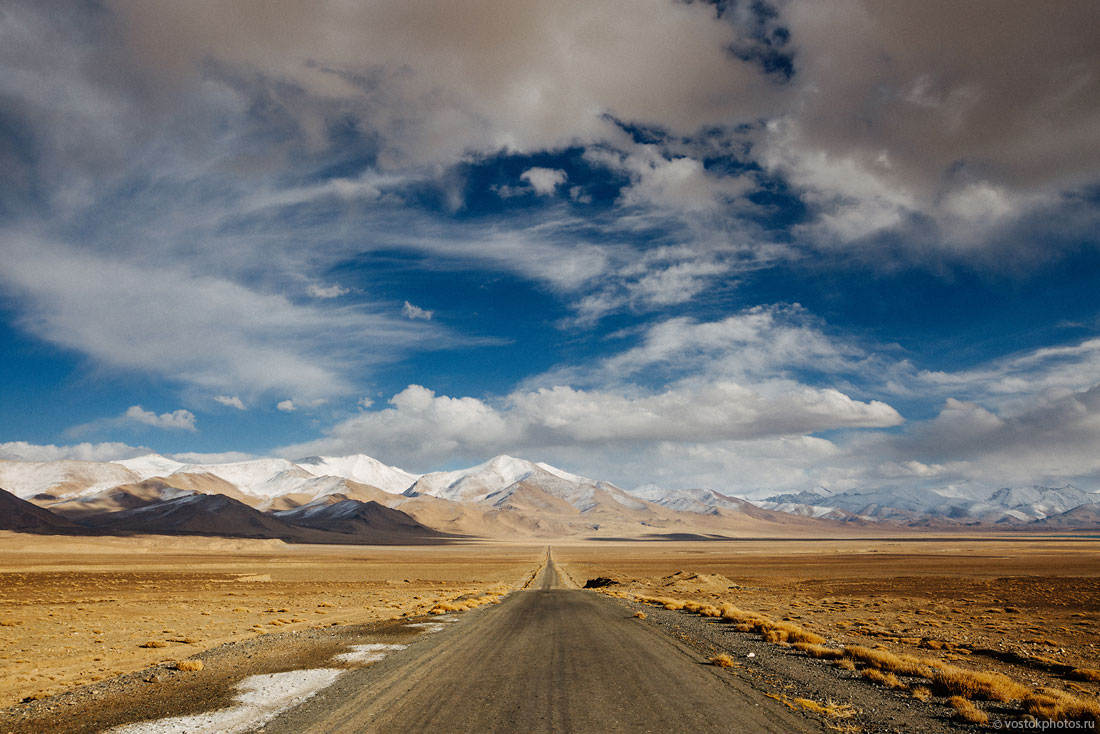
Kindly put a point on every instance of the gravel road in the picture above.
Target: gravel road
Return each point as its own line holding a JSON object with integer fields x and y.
{"x": 548, "y": 659}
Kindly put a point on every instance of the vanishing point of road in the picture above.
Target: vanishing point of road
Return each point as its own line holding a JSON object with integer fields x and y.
{"x": 548, "y": 659}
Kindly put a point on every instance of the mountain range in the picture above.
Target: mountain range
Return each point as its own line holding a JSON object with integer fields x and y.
{"x": 357, "y": 499}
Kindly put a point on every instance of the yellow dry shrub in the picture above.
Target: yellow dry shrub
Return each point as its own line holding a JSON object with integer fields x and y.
{"x": 154, "y": 643}
{"x": 815, "y": 650}
{"x": 921, "y": 693}
{"x": 974, "y": 684}
{"x": 884, "y": 679}
{"x": 1086, "y": 674}
{"x": 189, "y": 665}
{"x": 966, "y": 711}
{"x": 722, "y": 660}
{"x": 830, "y": 708}
{"x": 885, "y": 660}
{"x": 1060, "y": 706}
{"x": 787, "y": 632}
{"x": 639, "y": 615}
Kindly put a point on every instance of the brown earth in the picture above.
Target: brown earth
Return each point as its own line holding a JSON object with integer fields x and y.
{"x": 1024, "y": 607}
{"x": 78, "y": 610}
{"x": 75, "y": 611}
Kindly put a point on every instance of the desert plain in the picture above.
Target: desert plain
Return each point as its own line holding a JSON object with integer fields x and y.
{"x": 78, "y": 611}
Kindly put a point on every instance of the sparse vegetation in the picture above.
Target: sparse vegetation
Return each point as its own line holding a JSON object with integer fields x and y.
{"x": 921, "y": 693}
{"x": 154, "y": 643}
{"x": 1060, "y": 706}
{"x": 974, "y": 684}
{"x": 722, "y": 660}
{"x": 189, "y": 665}
{"x": 967, "y": 711}
{"x": 821, "y": 652}
{"x": 829, "y": 708}
{"x": 1086, "y": 674}
{"x": 884, "y": 679}
{"x": 639, "y": 615}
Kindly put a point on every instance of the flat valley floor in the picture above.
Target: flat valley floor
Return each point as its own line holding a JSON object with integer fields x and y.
{"x": 88, "y": 614}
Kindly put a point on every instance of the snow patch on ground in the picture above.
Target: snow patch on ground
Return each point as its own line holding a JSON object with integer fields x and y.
{"x": 371, "y": 653}
{"x": 260, "y": 699}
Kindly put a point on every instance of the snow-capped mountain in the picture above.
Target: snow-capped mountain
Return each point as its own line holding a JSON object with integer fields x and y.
{"x": 478, "y": 482}
{"x": 30, "y": 478}
{"x": 151, "y": 465}
{"x": 360, "y": 468}
{"x": 909, "y": 506}
{"x": 508, "y": 496}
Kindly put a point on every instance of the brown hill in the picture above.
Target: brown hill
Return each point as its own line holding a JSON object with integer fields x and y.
{"x": 18, "y": 514}
{"x": 367, "y": 520}
{"x": 141, "y": 494}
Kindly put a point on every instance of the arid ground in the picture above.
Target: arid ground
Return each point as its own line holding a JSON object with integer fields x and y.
{"x": 1024, "y": 607}
{"x": 77, "y": 611}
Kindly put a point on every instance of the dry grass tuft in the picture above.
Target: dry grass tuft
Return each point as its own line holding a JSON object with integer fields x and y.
{"x": 189, "y": 665}
{"x": 1060, "y": 706}
{"x": 885, "y": 679}
{"x": 722, "y": 660}
{"x": 819, "y": 651}
{"x": 154, "y": 643}
{"x": 845, "y": 664}
{"x": 830, "y": 708}
{"x": 973, "y": 684}
{"x": 444, "y": 607}
{"x": 639, "y": 615}
{"x": 1086, "y": 674}
{"x": 968, "y": 712}
{"x": 921, "y": 693}
{"x": 888, "y": 661}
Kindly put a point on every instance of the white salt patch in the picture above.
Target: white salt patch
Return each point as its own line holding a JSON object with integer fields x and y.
{"x": 261, "y": 699}
{"x": 371, "y": 653}
{"x": 427, "y": 626}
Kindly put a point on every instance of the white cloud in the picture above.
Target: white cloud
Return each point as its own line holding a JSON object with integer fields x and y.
{"x": 177, "y": 420}
{"x": 759, "y": 344}
{"x": 885, "y": 126}
{"x": 287, "y": 406}
{"x": 415, "y": 312}
{"x": 326, "y": 291}
{"x": 421, "y": 426}
{"x": 230, "y": 401}
{"x": 23, "y": 451}
{"x": 203, "y": 331}
{"x": 544, "y": 181}
{"x": 434, "y": 82}
{"x": 134, "y": 417}
{"x": 671, "y": 181}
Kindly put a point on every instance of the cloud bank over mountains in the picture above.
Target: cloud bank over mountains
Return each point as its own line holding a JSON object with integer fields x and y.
{"x": 658, "y": 241}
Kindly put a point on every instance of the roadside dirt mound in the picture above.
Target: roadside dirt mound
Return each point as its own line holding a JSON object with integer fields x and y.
{"x": 699, "y": 583}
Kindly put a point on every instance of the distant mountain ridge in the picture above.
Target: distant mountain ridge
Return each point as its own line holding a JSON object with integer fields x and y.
{"x": 1005, "y": 506}
{"x": 504, "y": 497}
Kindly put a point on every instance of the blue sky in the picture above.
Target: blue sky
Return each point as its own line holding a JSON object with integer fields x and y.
{"x": 750, "y": 246}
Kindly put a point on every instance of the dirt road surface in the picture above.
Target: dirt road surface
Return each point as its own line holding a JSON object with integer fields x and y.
{"x": 548, "y": 659}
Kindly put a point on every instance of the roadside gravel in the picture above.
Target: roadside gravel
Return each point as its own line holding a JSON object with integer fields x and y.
{"x": 784, "y": 671}
{"x": 162, "y": 691}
